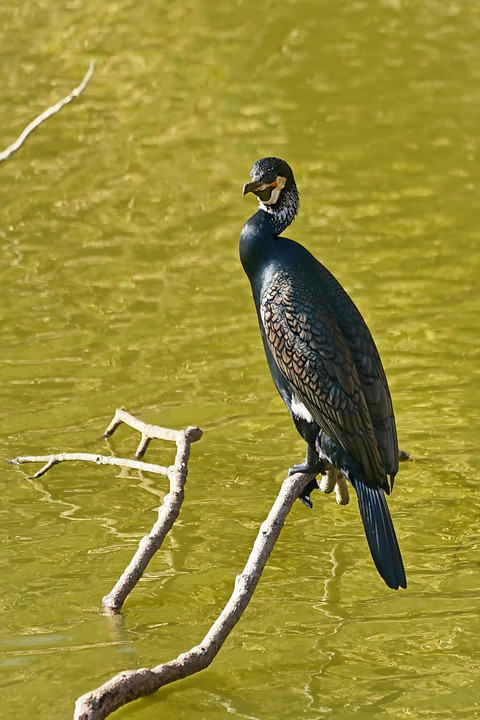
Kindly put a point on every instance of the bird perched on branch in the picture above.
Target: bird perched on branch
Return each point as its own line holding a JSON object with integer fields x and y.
{"x": 323, "y": 361}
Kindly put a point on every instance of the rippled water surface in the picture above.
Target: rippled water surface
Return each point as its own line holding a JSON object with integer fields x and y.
{"x": 121, "y": 286}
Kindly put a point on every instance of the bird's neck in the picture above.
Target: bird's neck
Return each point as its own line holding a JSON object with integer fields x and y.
{"x": 263, "y": 229}
{"x": 280, "y": 218}
{"x": 284, "y": 211}
{"x": 256, "y": 238}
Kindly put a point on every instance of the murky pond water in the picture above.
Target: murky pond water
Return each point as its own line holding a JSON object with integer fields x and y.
{"x": 121, "y": 286}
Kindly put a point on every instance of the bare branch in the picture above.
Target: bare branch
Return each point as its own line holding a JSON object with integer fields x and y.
{"x": 168, "y": 512}
{"x": 148, "y": 432}
{"x": 47, "y": 113}
{"x": 52, "y": 460}
{"x": 133, "y": 684}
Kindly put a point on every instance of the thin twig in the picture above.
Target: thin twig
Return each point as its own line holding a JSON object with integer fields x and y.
{"x": 47, "y": 113}
{"x": 133, "y": 684}
{"x": 54, "y": 459}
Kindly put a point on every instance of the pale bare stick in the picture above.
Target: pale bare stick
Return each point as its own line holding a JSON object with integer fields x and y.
{"x": 54, "y": 459}
{"x": 167, "y": 514}
{"x": 47, "y": 113}
{"x": 148, "y": 432}
{"x": 169, "y": 510}
{"x": 133, "y": 684}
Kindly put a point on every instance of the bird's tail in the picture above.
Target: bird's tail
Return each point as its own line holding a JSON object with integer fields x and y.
{"x": 380, "y": 533}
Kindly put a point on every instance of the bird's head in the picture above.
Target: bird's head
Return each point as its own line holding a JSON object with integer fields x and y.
{"x": 270, "y": 176}
{"x": 274, "y": 185}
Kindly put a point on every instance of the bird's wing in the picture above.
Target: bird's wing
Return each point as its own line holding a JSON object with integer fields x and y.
{"x": 370, "y": 371}
{"x": 313, "y": 355}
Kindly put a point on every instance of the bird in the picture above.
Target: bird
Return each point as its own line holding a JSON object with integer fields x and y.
{"x": 323, "y": 361}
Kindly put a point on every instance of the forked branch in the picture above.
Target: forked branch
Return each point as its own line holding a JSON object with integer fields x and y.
{"x": 168, "y": 511}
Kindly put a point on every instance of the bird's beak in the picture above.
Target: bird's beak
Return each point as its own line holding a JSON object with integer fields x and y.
{"x": 251, "y": 187}
{"x": 260, "y": 188}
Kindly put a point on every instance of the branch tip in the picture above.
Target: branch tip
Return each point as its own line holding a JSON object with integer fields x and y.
{"x": 11, "y": 149}
{"x": 193, "y": 433}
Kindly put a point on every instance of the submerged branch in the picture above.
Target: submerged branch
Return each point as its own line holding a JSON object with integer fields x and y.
{"x": 48, "y": 113}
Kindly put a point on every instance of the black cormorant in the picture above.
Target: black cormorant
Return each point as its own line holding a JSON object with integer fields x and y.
{"x": 323, "y": 361}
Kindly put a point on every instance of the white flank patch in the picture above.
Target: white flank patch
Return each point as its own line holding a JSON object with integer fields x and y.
{"x": 299, "y": 410}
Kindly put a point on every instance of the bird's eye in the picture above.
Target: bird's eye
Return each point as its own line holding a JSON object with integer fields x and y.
{"x": 267, "y": 179}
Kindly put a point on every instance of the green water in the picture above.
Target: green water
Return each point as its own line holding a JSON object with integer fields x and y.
{"x": 121, "y": 286}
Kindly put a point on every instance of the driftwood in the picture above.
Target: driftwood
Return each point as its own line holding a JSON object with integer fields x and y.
{"x": 133, "y": 684}
{"x": 46, "y": 114}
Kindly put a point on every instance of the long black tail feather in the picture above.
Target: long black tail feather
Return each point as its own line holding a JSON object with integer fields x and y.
{"x": 380, "y": 533}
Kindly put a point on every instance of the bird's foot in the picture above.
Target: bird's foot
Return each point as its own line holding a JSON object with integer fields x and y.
{"x": 309, "y": 487}
{"x": 334, "y": 480}
{"x": 312, "y": 465}
{"x": 331, "y": 479}
{"x": 305, "y": 496}
{"x": 317, "y": 467}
